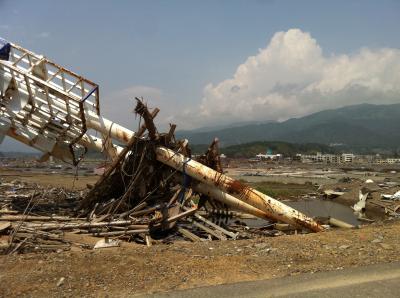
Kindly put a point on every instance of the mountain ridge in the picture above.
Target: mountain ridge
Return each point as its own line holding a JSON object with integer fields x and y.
{"x": 355, "y": 126}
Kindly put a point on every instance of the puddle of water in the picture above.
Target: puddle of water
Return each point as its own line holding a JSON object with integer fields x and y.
{"x": 312, "y": 208}
{"x": 322, "y": 208}
{"x": 255, "y": 222}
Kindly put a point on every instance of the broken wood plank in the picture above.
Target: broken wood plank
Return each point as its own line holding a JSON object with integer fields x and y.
{"x": 121, "y": 233}
{"x": 144, "y": 212}
{"x": 8, "y": 211}
{"x": 181, "y": 215}
{"x": 216, "y": 234}
{"x": 84, "y": 225}
{"x": 148, "y": 239}
{"x": 34, "y": 218}
{"x": 339, "y": 223}
{"x": 136, "y": 208}
{"x": 175, "y": 196}
{"x": 4, "y": 225}
{"x": 189, "y": 235}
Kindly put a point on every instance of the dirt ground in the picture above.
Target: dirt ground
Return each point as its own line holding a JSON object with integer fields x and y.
{"x": 135, "y": 269}
{"x": 49, "y": 179}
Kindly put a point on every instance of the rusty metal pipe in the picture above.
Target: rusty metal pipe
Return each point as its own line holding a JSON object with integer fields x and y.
{"x": 94, "y": 143}
{"x": 228, "y": 199}
{"x": 273, "y": 208}
{"x": 108, "y": 127}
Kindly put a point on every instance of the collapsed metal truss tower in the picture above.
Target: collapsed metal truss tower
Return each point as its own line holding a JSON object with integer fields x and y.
{"x": 49, "y": 107}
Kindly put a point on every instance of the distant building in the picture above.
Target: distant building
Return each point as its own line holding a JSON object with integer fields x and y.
{"x": 312, "y": 158}
{"x": 387, "y": 161}
{"x": 392, "y": 160}
{"x": 326, "y": 158}
{"x": 347, "y": 157}
{"x": 297, "y": 157}
{"x": 269, "y": 156}
{"x": 330, "y": 158}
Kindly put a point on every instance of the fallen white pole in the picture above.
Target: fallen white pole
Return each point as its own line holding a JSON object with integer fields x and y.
{"x": 231, "y": 201}
{"x": 273, "y": 208}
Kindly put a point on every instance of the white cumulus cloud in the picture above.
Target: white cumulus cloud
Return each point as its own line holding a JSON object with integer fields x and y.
{"x": 292, "y": 77}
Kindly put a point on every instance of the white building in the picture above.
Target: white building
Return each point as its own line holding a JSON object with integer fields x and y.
{"x": 269, "y": 156}
{"x": 392, "y": 160}
{"x": 347, "y": 157}
{"x": 328, "y": 158}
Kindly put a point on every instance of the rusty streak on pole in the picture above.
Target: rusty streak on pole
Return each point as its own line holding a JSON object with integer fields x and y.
{"x": 273, "y": 208}
{"x": 228, "y": 199}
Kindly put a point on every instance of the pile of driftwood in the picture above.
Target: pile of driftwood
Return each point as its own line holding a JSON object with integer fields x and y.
{"x": 136, "y": 186}
{"x": 137, "y": 199}
{"x": 34, "y": 218}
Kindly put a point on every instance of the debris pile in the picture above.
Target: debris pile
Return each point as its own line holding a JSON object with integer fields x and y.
{"x": 38, "y": 219}
{"x": 26, "y": 213}
{"x": 141, "y": 199}
{"x": 363, "y": 196}
{"x": 390, "y": 203}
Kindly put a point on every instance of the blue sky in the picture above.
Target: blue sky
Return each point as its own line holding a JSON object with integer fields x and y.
{"x": 173, "y": 50}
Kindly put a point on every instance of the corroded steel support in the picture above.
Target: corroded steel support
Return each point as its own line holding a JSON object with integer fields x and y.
{"x": 273, "y": 208}
{"x": 96, "y": 144}
{"x": 225, "y": 198}
{"x": 107, "y": 127}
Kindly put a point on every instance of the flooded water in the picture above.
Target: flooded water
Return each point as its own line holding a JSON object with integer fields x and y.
{"x": 312, "y": 208}
{"x": 323, "y": 208}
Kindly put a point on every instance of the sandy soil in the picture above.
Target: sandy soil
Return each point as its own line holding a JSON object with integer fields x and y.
{"x": 49, "y": 179}
{"x": 134, "y": 269}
